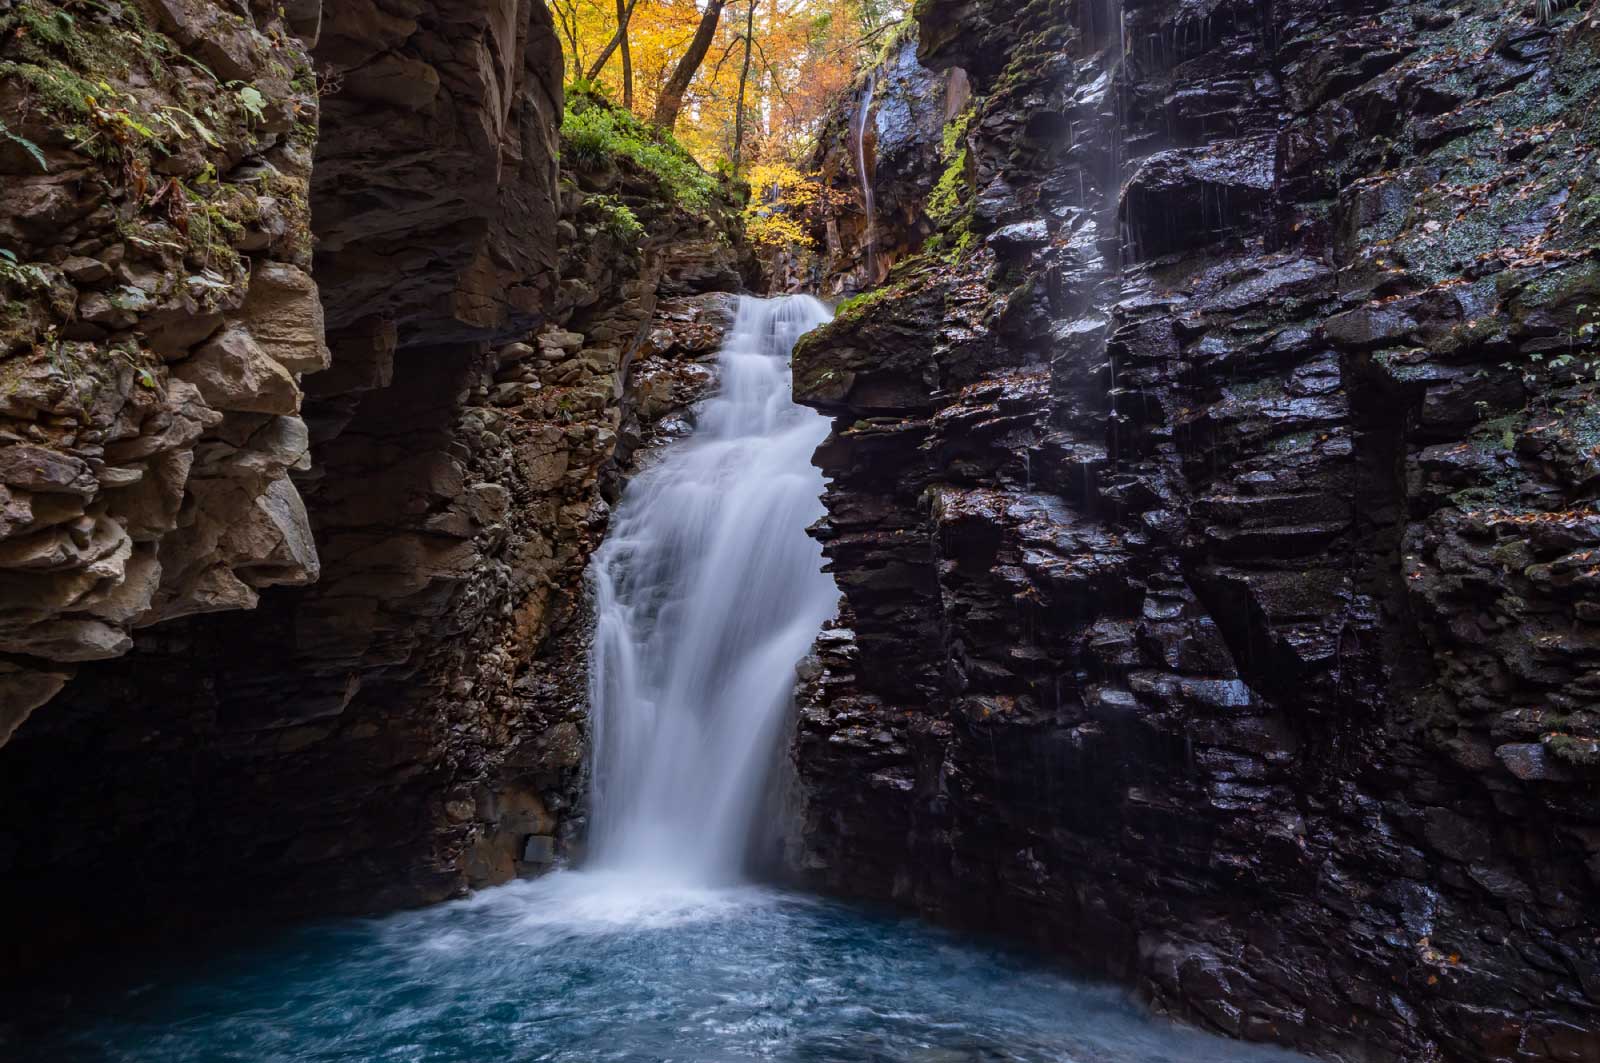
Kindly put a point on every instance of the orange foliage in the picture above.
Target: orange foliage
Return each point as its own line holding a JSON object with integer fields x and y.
{"x": 804, "y": 54}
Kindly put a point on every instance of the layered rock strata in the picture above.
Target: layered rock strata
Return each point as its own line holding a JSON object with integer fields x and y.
{"x": 1213, "y": 505}
{"x": 157, "y": 323}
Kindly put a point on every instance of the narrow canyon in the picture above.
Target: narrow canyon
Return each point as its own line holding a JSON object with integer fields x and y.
{"x": 1174, "y": 564}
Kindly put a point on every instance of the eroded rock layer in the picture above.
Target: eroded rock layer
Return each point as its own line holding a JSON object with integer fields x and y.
{"x": 157, "y": 322}
{"x": 1214, "y": 503}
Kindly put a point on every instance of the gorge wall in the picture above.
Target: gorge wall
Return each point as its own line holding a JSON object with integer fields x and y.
{"x": 1213, "y": 499}
{"x": 157, "y": 323}
{"x": 360, "y": 720}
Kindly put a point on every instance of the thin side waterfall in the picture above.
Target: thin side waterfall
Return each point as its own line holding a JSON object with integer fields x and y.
{"x": 867, "y": 202}
{"x": 708, "y": 591}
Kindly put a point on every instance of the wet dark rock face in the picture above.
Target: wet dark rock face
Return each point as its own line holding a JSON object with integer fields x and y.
{"x": 1216, "y": 527}
{"x": 902, "y": 138}
{"x": 412, "y": 723}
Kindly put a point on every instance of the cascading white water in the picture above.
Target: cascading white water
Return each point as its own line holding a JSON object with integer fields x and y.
{"x": 867, "y": 203}
{"x": 708, "y": 591}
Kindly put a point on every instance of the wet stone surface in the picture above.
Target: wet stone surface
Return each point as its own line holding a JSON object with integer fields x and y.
{"x": 1217, "y": 527}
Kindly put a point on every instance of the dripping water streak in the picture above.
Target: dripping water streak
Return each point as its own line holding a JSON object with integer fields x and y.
{"x": 867, "y": 201}
{"x": 708, "y": 591}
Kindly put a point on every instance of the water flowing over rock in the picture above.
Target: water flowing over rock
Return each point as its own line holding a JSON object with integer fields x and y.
{"x": 892, "y": 130}
{"x": 864, "y": 178}
{"x": 708, "y": 592}
{"x": 1211, "y": 487}
{"x": 500, "y": 352}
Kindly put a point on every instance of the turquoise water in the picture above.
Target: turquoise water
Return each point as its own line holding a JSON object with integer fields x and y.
{"x": 590, "y": 968}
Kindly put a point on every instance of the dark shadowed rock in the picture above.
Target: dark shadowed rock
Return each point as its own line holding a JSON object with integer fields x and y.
{"x": 1216, "y": 535}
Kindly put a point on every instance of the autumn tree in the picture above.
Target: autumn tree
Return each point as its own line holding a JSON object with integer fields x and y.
{"x": 748, "y": 78}
{"x": 785, "y": 205}
{"x": 744, "y": 84}
{"x": 570, "y": 25}
{"x": 623, "y": 15}
{"x": 670, "y": 102}
{"x": 619, "y": 41}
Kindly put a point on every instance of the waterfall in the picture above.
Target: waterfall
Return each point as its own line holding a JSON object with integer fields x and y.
{"x": 708, "y": 591}
{"x": 867, "y": 203}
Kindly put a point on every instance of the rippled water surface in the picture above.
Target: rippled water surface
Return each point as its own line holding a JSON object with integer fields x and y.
{"x": 588, "y": 967}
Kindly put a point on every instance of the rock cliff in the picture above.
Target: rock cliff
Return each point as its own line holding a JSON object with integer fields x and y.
{"x": 1213, "y": 483}
{"x": 893, "y": 119}
{"x": 1213, "y": 501}
{"x": 501, "y": 338}
{"x": 158, "y": 321}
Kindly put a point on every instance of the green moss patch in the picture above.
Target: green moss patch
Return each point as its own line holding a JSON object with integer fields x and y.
{"x": 596, "y": 134}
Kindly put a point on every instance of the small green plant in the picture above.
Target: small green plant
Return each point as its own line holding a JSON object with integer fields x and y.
{"x": 857, "y": 305}
{"x": 250, "y": 100}
{"x": 595, "y": 134}
{"x": 14, "y": 272}
{"x": 1582, "y": 357}
{"x": 169, "y": 117}
{"x": 130, "y": 355}
{"x": 25, "y": 144}
{"x": 954, "y": 137}
{"x": 947, "y": 205}
{"x": 582, "y": 86}
{"x": 1588, "y": 330}
{"x": 617, "y": 219}
{"x": 897, "y": 35}
{"x": 945, "y": 201}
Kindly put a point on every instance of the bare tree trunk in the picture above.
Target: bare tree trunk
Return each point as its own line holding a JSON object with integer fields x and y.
{"x": 619, "y": 38}
{"x": 627, "y": 55}
{"x": 670, "y": 101}
{"x": 744, "y": 80}
{"x": 567, "y": 15}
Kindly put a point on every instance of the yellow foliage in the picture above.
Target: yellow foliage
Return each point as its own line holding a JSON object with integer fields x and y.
{"x": 804, "y": 56}
{"x": 777, "y": 231}
{"x": 784, "y": 204}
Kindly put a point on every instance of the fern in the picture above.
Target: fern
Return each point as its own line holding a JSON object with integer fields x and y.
{"x": 27, "y": 145}
{"x": 28, "y": 278}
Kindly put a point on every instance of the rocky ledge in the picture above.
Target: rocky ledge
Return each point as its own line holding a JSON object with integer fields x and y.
{"x": 158, "y": 320}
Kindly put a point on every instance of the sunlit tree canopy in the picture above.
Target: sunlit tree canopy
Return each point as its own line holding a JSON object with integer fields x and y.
{"x": 801, "y": 55}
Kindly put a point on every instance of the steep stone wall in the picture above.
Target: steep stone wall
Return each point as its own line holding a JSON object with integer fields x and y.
{"x": 902, "y": 141}
{"x": 158, "y": 318}
{"x": 501, "y": 347}
{"x": 1212, "y": 506}
{"x": 434, "y": 195}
